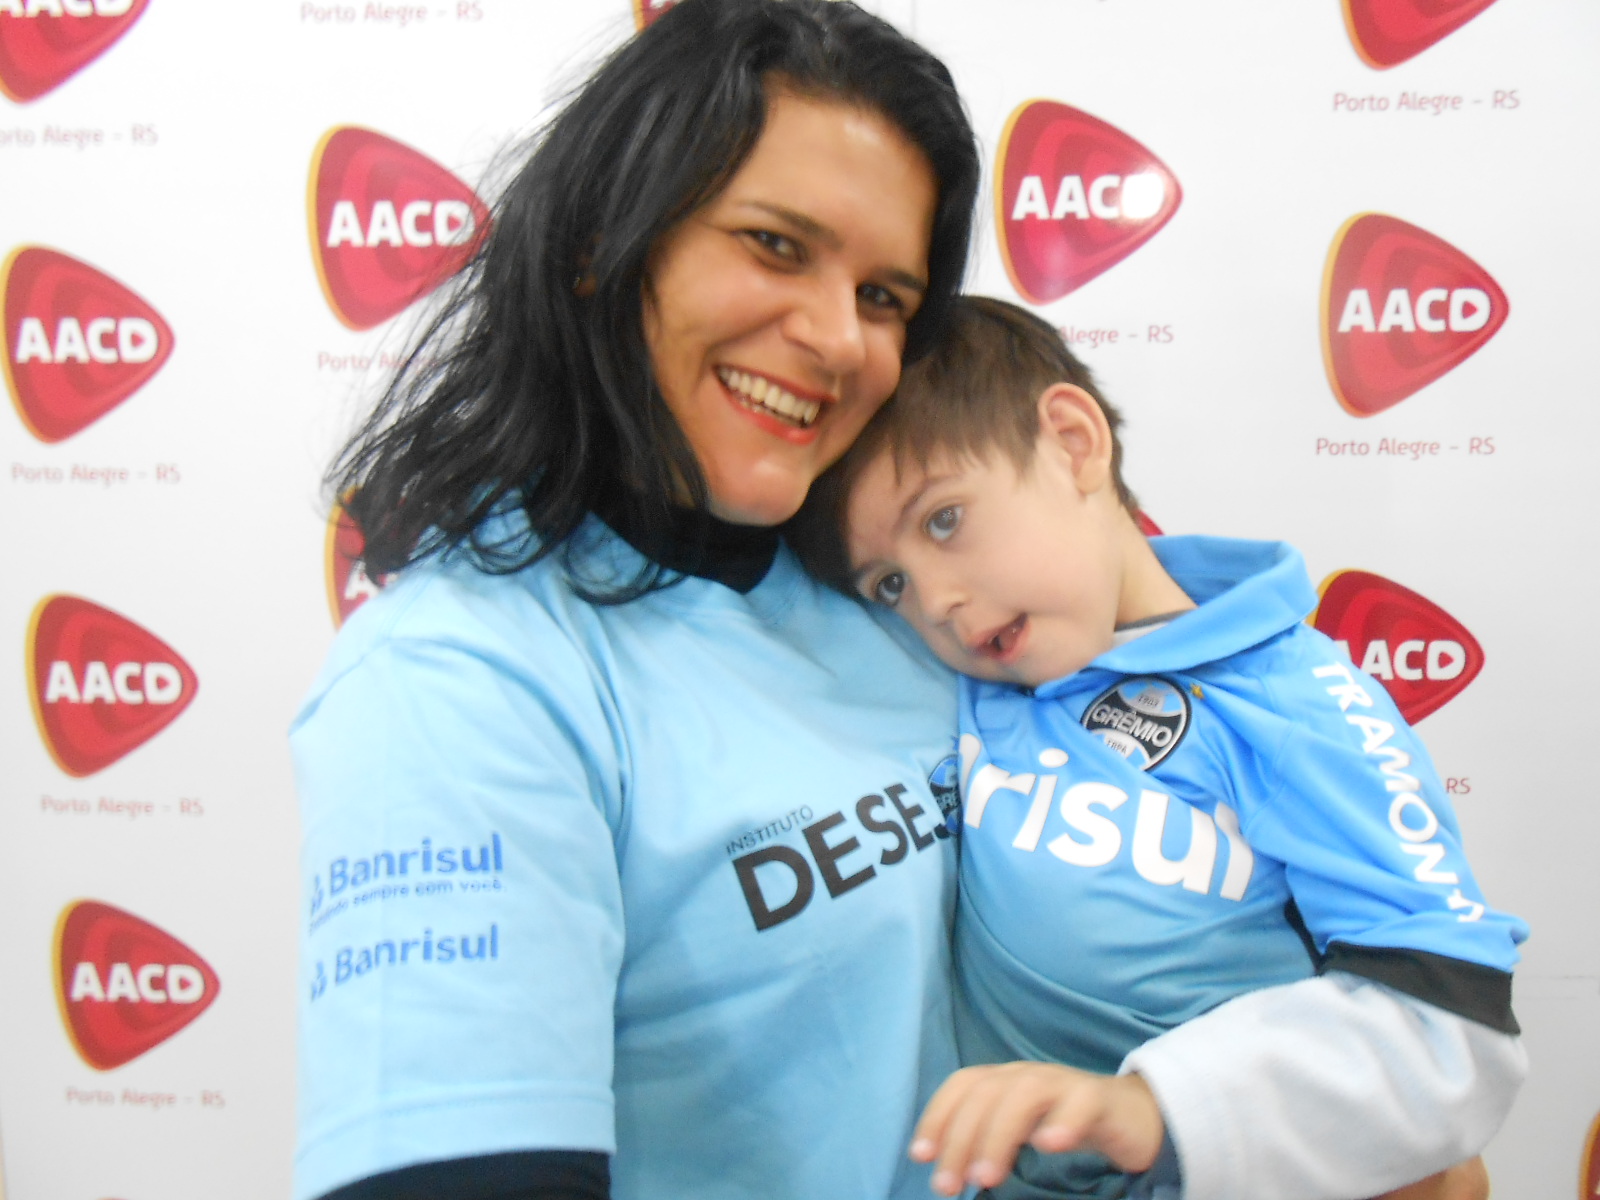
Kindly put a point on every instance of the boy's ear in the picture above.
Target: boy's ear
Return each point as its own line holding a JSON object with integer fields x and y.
{"x": 1070, "y": 418}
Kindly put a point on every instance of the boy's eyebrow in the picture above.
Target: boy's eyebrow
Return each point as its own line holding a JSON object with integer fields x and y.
{"x": 915, "y": 498}
{"x": 830, "y": 238}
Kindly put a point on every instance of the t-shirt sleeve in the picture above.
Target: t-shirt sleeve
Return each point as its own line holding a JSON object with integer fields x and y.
{"x": 461, "y": 934}
{"x": 1335, "y": 785}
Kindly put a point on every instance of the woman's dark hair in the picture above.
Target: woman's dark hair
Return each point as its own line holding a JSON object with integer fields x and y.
{"x": 530, "y": 390}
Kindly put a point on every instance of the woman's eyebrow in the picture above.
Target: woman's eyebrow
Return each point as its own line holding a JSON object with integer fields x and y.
{"x": 815, "y": 229}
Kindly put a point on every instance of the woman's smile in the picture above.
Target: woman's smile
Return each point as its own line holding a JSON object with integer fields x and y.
{"x": 766, "y": 396}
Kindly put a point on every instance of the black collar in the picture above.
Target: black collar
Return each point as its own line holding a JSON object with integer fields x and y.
{"x": 698, "y": 544}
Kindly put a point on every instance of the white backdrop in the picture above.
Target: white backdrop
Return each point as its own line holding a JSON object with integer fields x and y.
{"x": 175, "y": 163}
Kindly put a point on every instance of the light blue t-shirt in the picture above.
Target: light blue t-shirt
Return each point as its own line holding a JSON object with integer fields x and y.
{"x": 1135, "y": 832}
{"x": 665, "y": 879}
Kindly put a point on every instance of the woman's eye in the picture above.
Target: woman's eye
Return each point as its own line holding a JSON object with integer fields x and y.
{"x": 776, "y": 244}
{"x": 880, "y": 298}
{"x": 888, "y": 590}
{"x": 943, "y": 523}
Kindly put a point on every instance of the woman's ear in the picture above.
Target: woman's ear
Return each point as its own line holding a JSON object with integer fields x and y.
{"x": 1071, "y": 419}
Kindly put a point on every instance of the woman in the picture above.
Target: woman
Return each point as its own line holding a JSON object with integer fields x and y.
{"x": 664, "y": 879}
{"x": 626, "y": 850}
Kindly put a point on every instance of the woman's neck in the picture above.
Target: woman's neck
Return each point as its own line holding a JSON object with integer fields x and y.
{"x": 695, "y": 543}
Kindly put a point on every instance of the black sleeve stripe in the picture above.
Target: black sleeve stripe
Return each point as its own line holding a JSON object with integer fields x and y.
{"x": 522, "y": 1175}
{"x": 1468, "y": 989}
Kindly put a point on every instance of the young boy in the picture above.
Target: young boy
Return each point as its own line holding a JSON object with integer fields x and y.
{"x": 1215, "y": 918}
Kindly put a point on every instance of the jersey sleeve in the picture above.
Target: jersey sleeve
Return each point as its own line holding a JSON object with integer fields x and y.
{"x": 1326, "y": 1088}
{"x": 1334, "y": 784}
{"x": 462, "y": 936}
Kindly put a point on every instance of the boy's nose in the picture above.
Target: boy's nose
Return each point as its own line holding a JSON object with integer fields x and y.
{"x": 942, "y": 599}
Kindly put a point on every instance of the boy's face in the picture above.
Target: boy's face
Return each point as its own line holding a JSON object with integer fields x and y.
{"x": 1008, "y": 574}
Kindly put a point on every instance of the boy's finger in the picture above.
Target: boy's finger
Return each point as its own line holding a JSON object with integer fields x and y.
{"x": 962, "y": 1132}
{"x": 1070, "y": 1120}
{"x": 928, "y": 1136}
{"x": 1012, "y": 1122}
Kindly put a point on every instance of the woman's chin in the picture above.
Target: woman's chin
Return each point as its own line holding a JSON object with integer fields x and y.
{"x": 763, "y": 506}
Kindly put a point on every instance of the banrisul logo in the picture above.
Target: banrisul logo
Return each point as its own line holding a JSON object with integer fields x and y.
{"x": 1400, "y": 308}
{"x": 1387, "y": 32}
{"x": 1142, "y": 718}
{"x": 388, "y": 224}
{"x": 1073, "y": 198}
{"x": 43, "y": 43}
{"x": 101, "y": 686}
{"x": 648, "y": 12}
{"x": 349, "y": 585}
{"x": 1423, "y": 656}
{"x": 124, "y": 986}
{"x": 78, "y": 343}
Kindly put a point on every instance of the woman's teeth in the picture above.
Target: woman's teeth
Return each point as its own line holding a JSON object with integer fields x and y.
{"x": 763, "y": 393}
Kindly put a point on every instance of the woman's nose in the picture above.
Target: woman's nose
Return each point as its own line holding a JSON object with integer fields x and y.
{"x": 827, "y": 321}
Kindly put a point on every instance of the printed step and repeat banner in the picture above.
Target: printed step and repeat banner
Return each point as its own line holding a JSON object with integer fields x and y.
{"x": 1335, "y": 259}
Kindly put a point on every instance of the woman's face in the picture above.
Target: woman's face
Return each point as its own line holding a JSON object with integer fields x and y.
{"x": 776, "y": 313}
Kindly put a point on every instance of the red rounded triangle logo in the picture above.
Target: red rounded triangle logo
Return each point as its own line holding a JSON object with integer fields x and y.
{"x": 1400, "y": 308}
{"x": 1589, "y": 1168}
{"x": 388, "y": 224}
{"x": 1387, "y": 32}
{"x": 349, "y": 585}
{"x": 123, "y": 985}
{"x": 101, "y": 686}
{"x": 43, "y": 43}
{"x": 1074, "y": 196}
{"x": 648, "y": 12}
{"x": 1422, "y": 655}
{"x": 78, "y": 343}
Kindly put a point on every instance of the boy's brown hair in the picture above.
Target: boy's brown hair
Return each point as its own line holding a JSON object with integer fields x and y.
{"x": 974, "y": 393}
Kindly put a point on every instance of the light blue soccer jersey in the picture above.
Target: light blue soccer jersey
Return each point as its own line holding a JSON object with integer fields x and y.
{"x": 1135, "y": 832}
{"x": 665, "y": 879}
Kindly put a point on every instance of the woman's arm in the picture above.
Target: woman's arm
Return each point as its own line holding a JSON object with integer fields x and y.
{"x": 535, "y": 1175}
{"x": 463, "y": 936}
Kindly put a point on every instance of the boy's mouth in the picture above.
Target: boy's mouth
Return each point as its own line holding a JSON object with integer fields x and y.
{"x": 1002, "y": 644}
{"x": 768, "y": 396}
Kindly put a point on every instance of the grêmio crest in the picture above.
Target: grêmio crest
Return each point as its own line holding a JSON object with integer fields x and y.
{"x": 1142, "y": 718}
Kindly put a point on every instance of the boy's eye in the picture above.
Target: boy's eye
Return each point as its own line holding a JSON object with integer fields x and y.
{"x": 888, "y": 590}
{"x": 943, "y": 522}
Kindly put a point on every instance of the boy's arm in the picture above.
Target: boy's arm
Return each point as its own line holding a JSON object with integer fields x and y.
{"x": 1266, "y": 1096}
{"x": 1263, "y": 1098}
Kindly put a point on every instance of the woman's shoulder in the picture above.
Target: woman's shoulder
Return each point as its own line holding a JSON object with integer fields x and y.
{"x": 449, "y": 608}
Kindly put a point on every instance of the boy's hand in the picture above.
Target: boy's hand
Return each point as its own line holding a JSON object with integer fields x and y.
{"x": 1464, "y": 1181}
{"x": 981, "y": 1116}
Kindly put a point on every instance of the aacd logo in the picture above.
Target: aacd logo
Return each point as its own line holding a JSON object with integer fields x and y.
{"x": 648, "y": 12}
{"x": 1073, "y": 198}
{"x": 1400, "y": 307}
{"x": 45, "y": 42}
{"x": 1589, "y": 1168}
{"x": 1387, "y": 32}
{"x": 124, "y": 986}
{"x": 388, "y": 225}
{"x": 1423, "y": 656}
{"x": 349, "y": 585}
{"x": 78, "y": 343}
{"x": 101, "y": 686}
